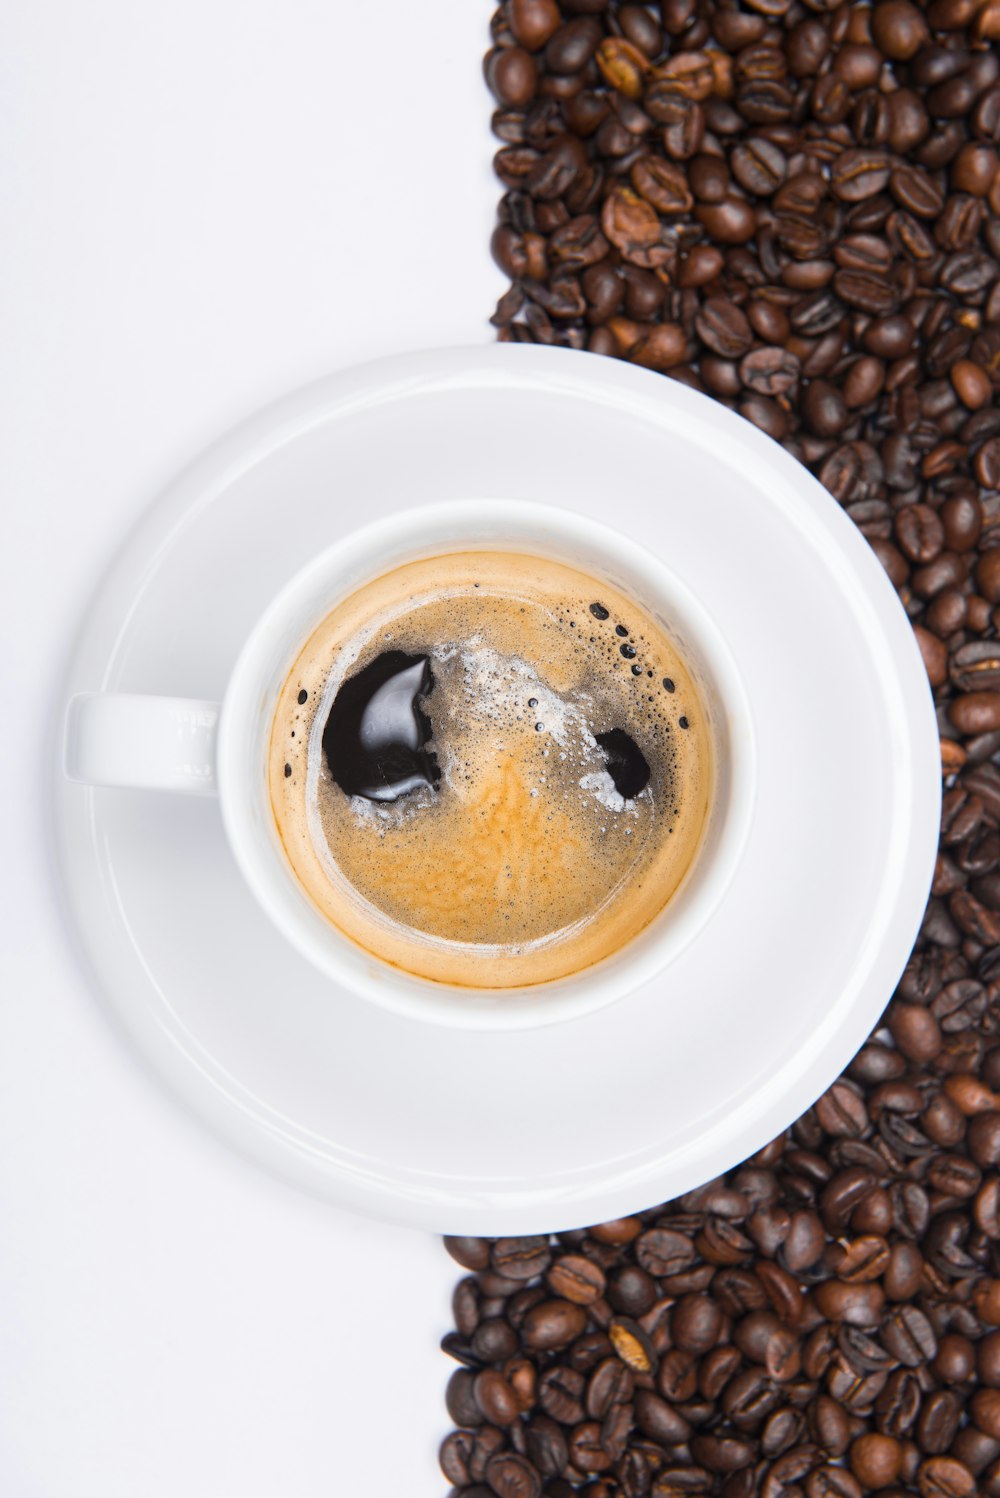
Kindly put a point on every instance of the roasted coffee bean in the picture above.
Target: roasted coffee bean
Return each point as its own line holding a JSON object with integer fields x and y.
{"x": 533, "y": 22}
{"x": 720, "y": 1453}
{"x": 724, "y": 328}
{"x": 609, "y": 1384}
{"x": 520, "y": 1258}
{"x": 859, "y": 174}
{"x": 586, "y": 1452}
{"x": 659, "y": 1420}
{"x": 560, "y": 1394}
{"x": 731, "y": 221}
{"x": 856, "y": 1304}
{"x": 512, "y": 75}
{"x": 695, "y": 1323}
{"x": 956, "y": 1359}
{"x": 571, "y": 47}
{"x": 988, "y": 1360}
{"x": 632, "y": 1291}
{"x": 876, "y": 1460}
{"x": 945, "y": 1477}
{"x": 938, "y": 1423}
{"x": 662, "y": 1252}
{"x": 513, "y": 1476}
{"x": 899, "y": 29}
{"x": 915, "y": 190}
{"x": 758, "y": 165}
{"x": 471, "y": 1253}
{"x": 575, "y": 1278}
{"x": 662, "y": 183}
{"x": 493, "y": 1341}
{"x": 552, "y": 1324}
{"x": 709, "y": 178}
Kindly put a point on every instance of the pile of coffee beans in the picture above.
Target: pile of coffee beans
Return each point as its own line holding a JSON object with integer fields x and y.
{"x": 791, "y": 205}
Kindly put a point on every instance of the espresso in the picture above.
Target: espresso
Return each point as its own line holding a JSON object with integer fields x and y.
{"x": 490, "y": 769}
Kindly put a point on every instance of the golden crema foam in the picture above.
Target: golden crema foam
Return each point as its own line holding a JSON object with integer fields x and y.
{"x": 490, "y": 769}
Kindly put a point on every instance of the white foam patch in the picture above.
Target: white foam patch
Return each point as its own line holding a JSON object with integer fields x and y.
{"x": 600, "y": 784}
{"x": 496, "y": 688}
{"x": 381, "y": 816}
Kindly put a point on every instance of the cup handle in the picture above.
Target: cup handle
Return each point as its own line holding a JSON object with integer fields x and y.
{"x": 149, "y": 743}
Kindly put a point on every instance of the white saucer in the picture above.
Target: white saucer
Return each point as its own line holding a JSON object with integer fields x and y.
{"x": 519, "y": 1132}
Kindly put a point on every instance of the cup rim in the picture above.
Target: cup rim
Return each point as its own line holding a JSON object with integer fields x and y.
{"x": 249, "y": 702}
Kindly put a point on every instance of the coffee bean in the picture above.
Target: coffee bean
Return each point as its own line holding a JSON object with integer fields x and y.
{"x": 662, "y": 1252}
{"x": 770, "y": 371}
{"x": 512, "y": 75}
{"x": 972, "y": 384}
{"x": 709, "y": 178}
{"x": 533, "y": 22}
{"x": 944, "y": 1477}
{"x": 575, "y": 1278}
{"x": 831, "y": 1482}
{"x": 632, "y": 1292}
{"x": 985, "y": 1410}
{"x": 520, "y": 1258}
{"x": 858, "y": 174}
{"x": 721, "y": 1453}
{"x": 986, "y": 464}
{"x": 560, "y": 1394}
{"x": 633, "y": 227}
{"x": 899, "y": 28}
{"x": 988, "y": 1360}
{"x": 632, "y": 1344}
{"x": 875, "y": 1460}
{"x": 609, "y": 1384}
{"x": 659, "y": 1420}
{"x": 824, "y": 409}
{"x": 513, "y": 1476}
{"x": 572, "y": 46}
{"x": 731, "y": 221}
{"x": 975, "y": 712}
{"x": 986, "y": 1301}
{"x": 661, "y": 183}
{"x": 552, "y": 1324}
{"x": 724, "y": 328}
{"x": 586, "y": 1453}
{"x": 938, "y": 1423}
{"x": 915, "y": 1031}
{"x": 641, "y": 28}
{"x": 471, "y": 1253}
{"x": 758, "y": 165}
{"x": 495, "y": 1398}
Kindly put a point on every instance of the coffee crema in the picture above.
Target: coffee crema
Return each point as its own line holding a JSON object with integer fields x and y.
{"x": 490, "y": 769}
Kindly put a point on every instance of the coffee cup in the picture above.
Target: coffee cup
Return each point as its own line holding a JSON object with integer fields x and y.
{"x": 191, "y": 746}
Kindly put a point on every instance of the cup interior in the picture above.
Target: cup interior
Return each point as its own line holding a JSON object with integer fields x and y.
{"x": 368, "y": 553}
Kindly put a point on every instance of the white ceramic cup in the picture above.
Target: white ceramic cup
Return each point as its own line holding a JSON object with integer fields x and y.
{"x": 202, "y": 748}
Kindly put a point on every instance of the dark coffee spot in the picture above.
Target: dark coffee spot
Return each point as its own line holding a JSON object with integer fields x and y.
{"x": 376, "y": 735}
{"x": 626, "y": 762}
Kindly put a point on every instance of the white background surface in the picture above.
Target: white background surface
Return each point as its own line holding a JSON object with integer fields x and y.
{"x": 203, "y": 205}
